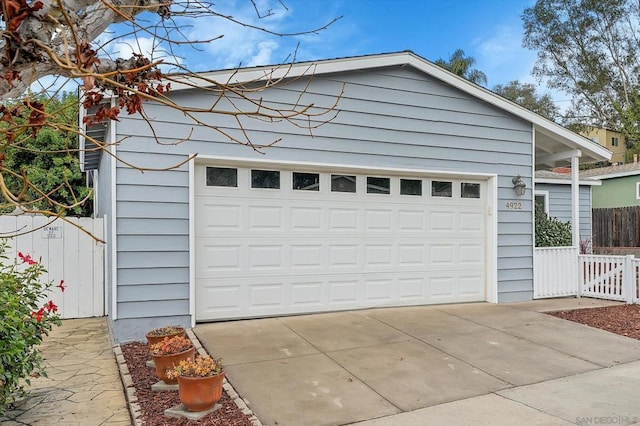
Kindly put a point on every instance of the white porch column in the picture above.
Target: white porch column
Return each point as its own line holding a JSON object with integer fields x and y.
{"x": 575, "y": 202}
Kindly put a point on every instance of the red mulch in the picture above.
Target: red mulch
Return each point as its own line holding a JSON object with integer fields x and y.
{"x": 153, "y": 404}
{"x": 620, "y": 319}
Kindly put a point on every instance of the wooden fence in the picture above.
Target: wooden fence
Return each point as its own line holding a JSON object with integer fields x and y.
{"x": 67, "y": 253}
{"x": 616, "y": 227}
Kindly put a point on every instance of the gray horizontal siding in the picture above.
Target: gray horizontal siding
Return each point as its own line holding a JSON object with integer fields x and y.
{"x": 136, "y": 243}
{"x": 560, "y": 205}
{"x": 393, "y": 117}
{"x": 139, "y": 277}
{"x": 152, "y": 308}
{"x": 153, "y": 226}
{"x": 176, "y": 291}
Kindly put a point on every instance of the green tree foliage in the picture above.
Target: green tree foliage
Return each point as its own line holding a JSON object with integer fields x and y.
{"x": 50, "y": 162}
{"x": 551, "y": 232}
{"x": 524, "y": 94}
{"x": 589, "y": 49}
{"x": 462, "y": 65}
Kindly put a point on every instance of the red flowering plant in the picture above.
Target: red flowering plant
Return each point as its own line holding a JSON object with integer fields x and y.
{"x": 26, "y": 316}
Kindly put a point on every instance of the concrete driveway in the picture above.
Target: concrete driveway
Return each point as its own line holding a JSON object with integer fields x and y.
{"x": 448, "y": 364}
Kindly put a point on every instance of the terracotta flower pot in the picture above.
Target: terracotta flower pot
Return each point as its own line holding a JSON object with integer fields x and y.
{"x": 200, "y": 393}
{"x": 165, "y": 363}
{"x": 152, "y": 339}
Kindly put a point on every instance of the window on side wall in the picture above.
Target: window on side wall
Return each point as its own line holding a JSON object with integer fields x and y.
{"x": 614, "y": 141}
{"x": 542, "y": 200}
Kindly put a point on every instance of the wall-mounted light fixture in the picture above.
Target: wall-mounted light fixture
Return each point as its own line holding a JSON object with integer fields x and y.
{"x": 519, "y": 186}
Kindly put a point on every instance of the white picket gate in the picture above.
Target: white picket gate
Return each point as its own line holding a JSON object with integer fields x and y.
{"x": 556, "y": 272}
{"x": 67, "y": 253}
{"x": 562, "y": 271}
{"x": 610, "y": 277}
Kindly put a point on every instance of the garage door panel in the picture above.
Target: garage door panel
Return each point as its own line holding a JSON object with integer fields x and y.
{"x": 306, "y": 219}
{"x": 307, "y": 257}
{"x": 411, "y": 221}
{"x": 215, "y": 218}
{"x": 471, "y": 221}
{"x": 278, "y": 295}
{"x": 275, "y": 252}
{"x": 344, "y": 219}
{"x": 412, "y": 289}
{"x": 265, "y": 218}
{"x": 442, "y": 221}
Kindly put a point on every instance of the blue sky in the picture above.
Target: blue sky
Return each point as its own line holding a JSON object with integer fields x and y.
{"x": 488, "y": 30}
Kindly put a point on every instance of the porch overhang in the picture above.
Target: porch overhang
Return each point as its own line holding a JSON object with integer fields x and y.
{"x": 558, "y": 147}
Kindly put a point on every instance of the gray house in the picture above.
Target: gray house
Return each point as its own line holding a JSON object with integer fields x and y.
{"x": 407, "y": 197}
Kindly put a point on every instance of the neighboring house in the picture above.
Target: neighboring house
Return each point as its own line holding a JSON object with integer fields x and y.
{"x": 620, "y": 185}
{"x": 405, "y": 198}
{"x": 610, "y": 139}
{"x": 553, "y": 194}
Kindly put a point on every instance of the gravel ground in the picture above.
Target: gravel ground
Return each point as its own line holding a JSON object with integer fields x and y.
{"x": 622, "y": 319}
{"x": 153, "y": 404}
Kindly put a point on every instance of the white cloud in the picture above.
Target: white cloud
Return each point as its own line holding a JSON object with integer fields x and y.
{"x": 502, "y": 58}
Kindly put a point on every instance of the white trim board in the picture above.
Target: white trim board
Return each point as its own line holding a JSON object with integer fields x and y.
{"x": 566, "y": 182}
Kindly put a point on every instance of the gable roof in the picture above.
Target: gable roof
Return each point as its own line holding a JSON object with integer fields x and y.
{"x": 551, "y": 139}
{"x": 612, "y": 172}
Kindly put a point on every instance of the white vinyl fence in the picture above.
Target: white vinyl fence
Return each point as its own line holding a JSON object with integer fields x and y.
{"x": 67, "y": 253}
{"x": 556, "y": 272}
{"x": 562, "y": 271}
{"x": 610, "y": 277}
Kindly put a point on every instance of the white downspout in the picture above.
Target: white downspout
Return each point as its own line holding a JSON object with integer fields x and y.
{"x": 575, "y": 202}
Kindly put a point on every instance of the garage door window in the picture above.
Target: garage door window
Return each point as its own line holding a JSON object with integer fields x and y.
{"x": 469, "y": 190}
{"x": 222, "y": 176}
{"x": 306, "y": 181}
{"x": 378, "y": 185}
{"x": 410, "y": 187}
{"x": 269, "y": 179}
{"x": 441, "y": 189}
{"x": 343, "y": 183}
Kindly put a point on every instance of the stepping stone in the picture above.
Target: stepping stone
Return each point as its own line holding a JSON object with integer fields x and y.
{"x": 179, "y": 411}
{"x": 161, "y": 386}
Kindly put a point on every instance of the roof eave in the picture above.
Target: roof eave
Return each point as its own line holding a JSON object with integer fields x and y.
{"x": 566, "y": 181}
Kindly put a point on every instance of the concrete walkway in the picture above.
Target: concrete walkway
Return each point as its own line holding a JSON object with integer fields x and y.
{"x": 83, "y": 387}
{"x": 448, "y": 364}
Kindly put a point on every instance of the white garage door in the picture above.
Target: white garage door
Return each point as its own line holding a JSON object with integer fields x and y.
{"x": 277, "y": 241}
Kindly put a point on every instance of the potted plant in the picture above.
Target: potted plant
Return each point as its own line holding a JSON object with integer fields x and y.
{"x": 199, "y": 382}
{"x": 168, "y": 353}
{"x": 156, "y": 335}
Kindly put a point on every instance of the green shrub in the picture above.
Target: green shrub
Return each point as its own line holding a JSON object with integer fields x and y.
{"x": 24, "y": 320}
{"x": 551, "y": 232}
